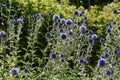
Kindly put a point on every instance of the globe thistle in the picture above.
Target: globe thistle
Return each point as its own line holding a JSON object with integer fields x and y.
{"x": 53, "y": 55}
{"x": 108, "y": 72}
{"x": 101, "y": 62}
{"x": 108, "y": 24}
{"x": 61, "y": 30}
{"x": 82, "y": 28}
{"x": 25, "y": 70}
{"x": 49, "y": 13}
{"x": 115, "y": 11}
{"x": 82, "y": 60}
{"x": 63, "y": 35}
{"x": 62, "y": 60}
{"x": 19, "y": 21}
{"x": 91, "y": 41}
{"x": 90, "y": 32}
{"x": 69, "y": 22}
{"x": 114, "y": 22}
{"x": 109, "y": 31}
{"x": 56, "y": 18}
{"x": 14, "y": 71}
{"x": 119, "y": 27}
{"x": 102, "y": 40}
{"x": 115, "y": 52}
{"x": 94, "y": 36}
{"x": 62, "y": 55}
{"x": 76, "y": 13}
{"x": 48, "y": 34}
{"x": 70, "y": 32}
{"x": 62, "y": 21}
{"x": 106, "y": 54}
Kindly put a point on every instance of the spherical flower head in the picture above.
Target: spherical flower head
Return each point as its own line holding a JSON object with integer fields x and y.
{"x": 62, "y": 21}
{"x": 109, "y": 31}
{"x": 114, "y": 22}
{"x": 108, "y": 24}
{"x": 76, "y": 13}
{"x": 49, "y": 13}
{"x": 81, "y": 60}
{"x": 62, "y": 60}
{"x": 62, "y": 55}
{"x": 61, "y": 30}
{"x": 82, "y": 28}
{"x": 69, "y": 22}
{"x": 19, "y": 21}
{"x": 14, "y": 71}
{"x": 101, "y": 62}
{"x": 94, "y": 36}
{"x": 102, "y": 40}
{"x": 70, "y": 32}
{"x": 91, "y": 41}
{"x": 56, "y": 18}
{"x": 108, "y": 72}
{"x": 106, "y": 54}
{"x": 63, "y": 35}
{"x": 115, "y": 11}
{"x": 48, "y": 34}
{"x": 53, "y": 55}
{"x": 90, "y": 32}
{"x": 84, "y": 61}
{"x": 25, "y": 70}
{"x": 115, "y": 52}
{"x": 119, "y": 27}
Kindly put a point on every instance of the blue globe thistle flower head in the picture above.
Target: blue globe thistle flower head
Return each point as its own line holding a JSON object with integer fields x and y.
{"x": 53, "y": 55}
{"x": 101, "y": 62}
{"x": 82, "y": 28}
{"x": 94, "y": 36}
{"x": 81, "y": 60}
{"x": 76, "y": 13}
{"x": 61, "y": 30}
{"x": 108, "y": 72}
{"x": 56, "y": 18}
{"x": 14, "y": 71}
{"x": 102, "y": 40}
{"x": 49, "y": 13}
{"x": 19, "y": 21}
{"x": 25, "y": 70}
{"x": 109, "y": 31}
{"x": 70, "y": 32}
{"x": 62, "y": 21}
{"x": 63, "y": 35}
{"x": 115, "y": 52}
{"x": 62, "y": 55}
{"x": 69, "y": 22}
{"x": 48, "y": 34}
{"x": 106, "y": 54}
{"x": 115, "y": 11}
{"x": 108, "y": 24}
{"x": 90, "y": 32}
{"x": 62, "y": 60}
{"x": 113, "y": 22}
{"x": 119, "y": 27}
{"x": 85, "y": 61}
{"x": 91, "y": 42}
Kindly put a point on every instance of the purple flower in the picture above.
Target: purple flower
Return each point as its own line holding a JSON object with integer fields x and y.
{"x": 115, "y": 11}
{"x": 48, "y": 34}
{"x": 70, "y": 32}
{"x": 82, "y": 28}
{"x": 53, "y": 55}
{"x": 101, "y": 62}
{"x": 106, "y": 54}
{"x": 62, "y": 60}
{"x": 76, "y": 13}
{"x": 49, "y": 13}
{"x": 1, "y": 34}
{"x": 63, "y": 35}
{"x": 109, "y": 31}
{"x": 114, "y": 22}
{"x": 14, "y": 71}
{"x": 115, "y": 52}
{"x": 69, "y": 22}
{"x": 56, "y": 17}
{"x": 94, "y": 36}
{"x": 90, "y": 32}
{"x": 119, "y": 27}
{"x": 109, "y": 72}
{"x": 82, "y": 60}
{"x": 62, "y": 21}
{"x": 19, "y": 21}
{"x": 102, "y": 40}
{"x": 62, "y": 55}
{"x": 25, "y": 70}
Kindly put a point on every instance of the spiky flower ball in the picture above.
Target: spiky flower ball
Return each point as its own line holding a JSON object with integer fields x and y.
{"x": 82, "y": 28}
{"x": 101, "y": 62}
{"x": 14, "y": 71}
{"x": 76, "y": 13}
{"x": 63, "y": 35}
{"x": 25, "y": 70}
{"x": 69, "y": 22}
{"x": 56, "y": 17}
{"x": 53, "y": 55}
